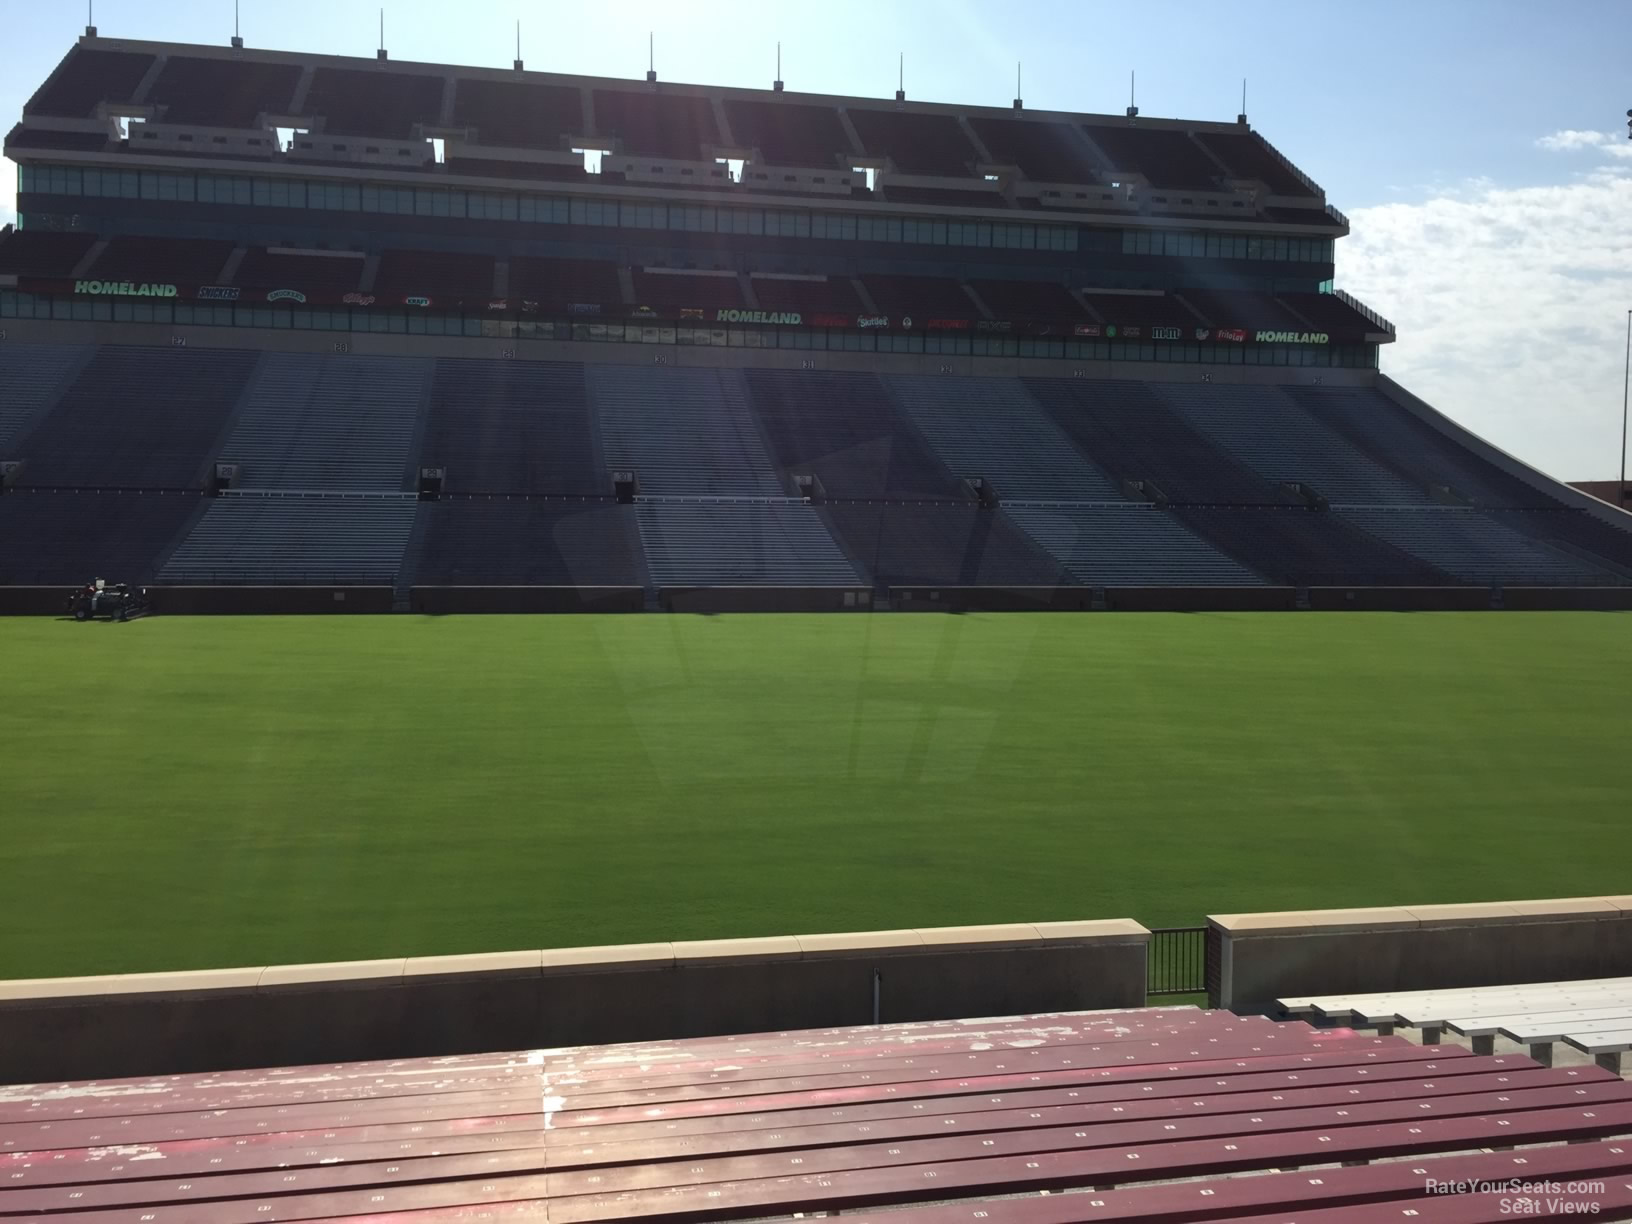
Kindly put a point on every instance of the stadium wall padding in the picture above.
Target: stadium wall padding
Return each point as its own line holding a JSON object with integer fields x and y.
{"x": 765, "y": 599}
{"x": 211, "y": 1020}
{"x": 1400, "y": 599}
{"x": 1259, "y": 958}
{"x": 268, "y": 600}
{"x": 445, "y": 600}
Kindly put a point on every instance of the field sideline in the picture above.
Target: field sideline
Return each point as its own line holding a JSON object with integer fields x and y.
{"x": 191, "y": 792}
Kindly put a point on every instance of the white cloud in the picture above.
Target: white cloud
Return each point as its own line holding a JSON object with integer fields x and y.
{"x": 1511, "y": 307}
{"x": 1609, "y": 144}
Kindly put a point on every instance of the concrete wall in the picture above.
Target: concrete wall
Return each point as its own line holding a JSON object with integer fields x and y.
{"x": 143, "y": 1024}
{"x": 1254, "y": 959}
{"x": 268, "y": 600}
{"x": 46, "y": 331}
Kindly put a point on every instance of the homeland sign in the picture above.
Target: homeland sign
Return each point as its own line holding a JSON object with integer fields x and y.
{"x": 778, "y": 317}
{"x": 123, "y": 289}
{"x": 1291, "y": 337}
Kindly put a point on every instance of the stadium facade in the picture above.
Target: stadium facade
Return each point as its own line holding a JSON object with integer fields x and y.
{"x": 421, "y": 327}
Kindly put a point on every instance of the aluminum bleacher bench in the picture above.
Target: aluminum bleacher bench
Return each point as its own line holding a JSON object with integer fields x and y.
{"x": 934, "y": 1117}
{"x": 1537, "y": 1014}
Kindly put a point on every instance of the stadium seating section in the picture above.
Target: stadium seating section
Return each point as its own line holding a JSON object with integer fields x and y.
{"x": 843, "y": 429}
{"x": 44, "y": 253}
{"x": 1097, "y": 482}
{"x": 358, "y": 102}
{"x": 656, "y": 125}
{"x": 679, "y": 290}
{"x": 1250, "y": 310}
{"x": 222, "y": 93}
{"x": 479, "y": 541}
{"x": 1249, "y": 156}
{"x": 1142, "y": 309}
{"x": 88, "y": 78}
{"x": 180, "y": 261}
{"x": 1166, "y": 157}
{"x": 265, "y": 269}
{"x": 562, "y": 282}
{"x": 833, "y": 293}
{"x": 513, "y": 427}
{"x": 922, "y": 296}
{"x": 917, "y": 144}
{"x": 1052, "y": 152}
{"x": 789, "y": 134}
{"x": 518, "y": 116}
{"x": 1021, "y": 300}
{"x": 440, "y": 274}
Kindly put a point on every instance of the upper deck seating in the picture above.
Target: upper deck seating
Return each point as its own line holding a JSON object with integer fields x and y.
{"x": 657, "y": 125}
{"x": 373, "y": 102}
{"x": 31, "y": 378}
{"x": 557, "y": 283}
{"x": 992, "y": 429}
{"x": 264, "y": 269}
{"x": 1268, "y": 431}
{"x": 87, "y": 78}
{"x": 678, "y": 290}
{"x": 312, "y": 421}
{"x": 1040, "y": 300}
{"x": 683, "y": 431}
{"x": 181, "y": 261}
{"x": 1394, "y": 437}
{"x": 922, "y": 297}
{"x": 1165, "y": 156}
{"x": 835, "y": 294}
{"x": 44, "y": 253}
{"x": 1248, "y": 156}
{"x": 789, "y": 134}
{"x": 843, "y": 428}
{"x": 50, "y": 538}
{"x": 1237, "y": 308}
{"x": 513, "y": 427}
{"x": 917, "y": 144}
{"x": 436, "y": 274}
{"x": 1051, "y": 152}
{"x": 518, "y": 115}
{"x": 1142, "y": 310}
{"x": 228, "y": 93}
{"x": 137, "y": 418}
{"x": 1126, "y": 428}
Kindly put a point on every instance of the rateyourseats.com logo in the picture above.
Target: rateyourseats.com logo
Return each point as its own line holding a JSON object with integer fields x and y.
{"x": 1520, "y": 1199}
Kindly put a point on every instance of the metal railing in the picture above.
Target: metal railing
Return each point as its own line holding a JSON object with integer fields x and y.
{"x": 1178, "y": 961}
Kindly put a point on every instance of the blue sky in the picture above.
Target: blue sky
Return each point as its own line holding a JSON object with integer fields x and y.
{"x": 1436, "y": 125}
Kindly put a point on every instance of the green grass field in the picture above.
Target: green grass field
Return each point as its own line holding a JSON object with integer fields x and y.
{"x": 179, "y": 793}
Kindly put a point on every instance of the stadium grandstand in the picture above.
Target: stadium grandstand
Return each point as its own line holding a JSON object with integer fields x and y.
{"x": 282, "y": 320}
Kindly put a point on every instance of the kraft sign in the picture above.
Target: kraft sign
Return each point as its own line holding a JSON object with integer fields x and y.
{"x": 1290, "y": 337}
{"x": 782, "y": 318}
{"x": 123, "y": 289}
